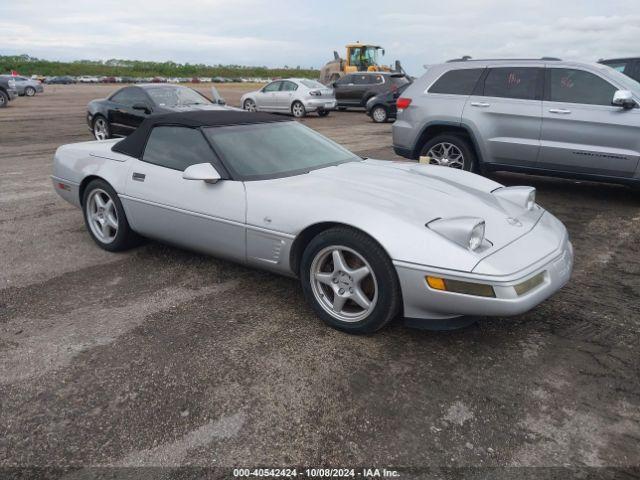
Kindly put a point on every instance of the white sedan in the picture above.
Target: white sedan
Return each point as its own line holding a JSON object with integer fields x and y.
{"x": 296, "y": 96}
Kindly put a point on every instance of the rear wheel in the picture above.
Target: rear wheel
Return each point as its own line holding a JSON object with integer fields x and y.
{"x": 29, "y": 91}
{"x": 101, "y": 128}
{"x": 298, "y": 110}
{"x": 349, "y": 280}
{"x": 4, "y": 99}
{"x": 105, "y": 218}
{"x": 379, "y": 114}
{"x": 450, "y": 150}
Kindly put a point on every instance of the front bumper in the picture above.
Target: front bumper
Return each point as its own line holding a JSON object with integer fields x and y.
{"x": 12, "y": 93}
{"x": 423, "y": 302}
{"x": 311, "y": 105}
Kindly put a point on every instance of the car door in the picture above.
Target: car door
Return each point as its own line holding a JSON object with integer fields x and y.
{"x": 581, "y": 131}
{"x": 361, "y": 83}
{"x": 284, "y": 97}
{"x": 159, "y": 203}
{"x": 342, "y": 88}
{"x": 123, "y": 118}
{"x": 505, "y": 114}
{"x": 266, "y": 99}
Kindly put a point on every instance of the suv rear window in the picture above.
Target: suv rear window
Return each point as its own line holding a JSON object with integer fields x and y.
{"x": 457, "y": 82}
{"x": 513, "y": 82}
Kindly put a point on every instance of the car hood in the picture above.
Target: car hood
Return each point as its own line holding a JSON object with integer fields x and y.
{"x": 393, "y": 202}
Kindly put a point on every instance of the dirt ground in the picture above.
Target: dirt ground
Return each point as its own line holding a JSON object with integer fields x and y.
{"x": 162, "y": 357}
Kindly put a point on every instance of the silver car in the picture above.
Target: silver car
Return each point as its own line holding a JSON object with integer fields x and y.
{"x": 368, "y": 239}
{"x": 297, "y": 96}
{"x": 547, "y": 116}
{"x": 26, "y": 86}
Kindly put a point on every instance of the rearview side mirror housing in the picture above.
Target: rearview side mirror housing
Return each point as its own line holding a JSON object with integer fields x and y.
{"x": 142, "y": 107}
{"x": 624, "y": 99}
{"x": 201, "y": 171}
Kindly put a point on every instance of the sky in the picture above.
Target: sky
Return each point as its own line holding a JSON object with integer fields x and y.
{"x": 306, "y": 32}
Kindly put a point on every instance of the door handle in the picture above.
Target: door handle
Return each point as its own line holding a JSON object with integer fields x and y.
{"x": 138, "y": 177}
{"x": 561, "y": 111}
{"x": 480, "y": 104}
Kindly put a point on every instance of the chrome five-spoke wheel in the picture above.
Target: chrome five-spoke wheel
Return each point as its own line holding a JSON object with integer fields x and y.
{"x": 343, "y": 283}
{"x": 100, "y": 129}
{"x": 102, "y": 216}
{"x": 447, "y": 155}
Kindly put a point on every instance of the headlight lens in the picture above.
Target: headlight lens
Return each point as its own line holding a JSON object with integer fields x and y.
{"x": 477, "y": 236}
{"x": 468, "y": 232}
{"x": 12, "y": 83}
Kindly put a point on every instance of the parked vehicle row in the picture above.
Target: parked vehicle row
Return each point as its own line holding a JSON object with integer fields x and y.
{"x": 67, "y": 79}
{"x": 568, "y": 119}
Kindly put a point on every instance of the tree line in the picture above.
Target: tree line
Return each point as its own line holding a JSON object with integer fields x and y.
{"x": 27, "y": 65}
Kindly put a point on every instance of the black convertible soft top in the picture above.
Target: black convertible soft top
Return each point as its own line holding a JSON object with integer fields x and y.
{"x": 134, "y": 144}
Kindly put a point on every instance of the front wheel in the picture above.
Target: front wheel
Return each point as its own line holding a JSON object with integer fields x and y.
{"x": 379, "y": 114}
{"x": 29, "y": 91}
{"x": 349, "y": 280}
{"x": 4, "y": 99}
{"x": 101, "y": 128}
{"x": 450, "y": 150}
{"x": 249, "y": 105}
{"x": 298, "y": 110}
{"x": 105, "y": 218}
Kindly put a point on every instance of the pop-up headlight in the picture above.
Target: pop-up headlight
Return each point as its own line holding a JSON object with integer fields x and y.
{"x": 468, "y": 232}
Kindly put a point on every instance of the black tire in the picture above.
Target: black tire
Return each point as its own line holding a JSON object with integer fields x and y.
{"x": 107, "y": 125}
{"x": 29, "y": 91}
{"x": 4, "y": 99}
{"x": 323, "y": 113}
{"x": 298, "y": 110}
{"x": 470, "y": 162}
{"x": 379, "y": 114}
{"x": 125, "y": 238}
{"x": 389, "y": 298}
{"x": 342, "y": 109}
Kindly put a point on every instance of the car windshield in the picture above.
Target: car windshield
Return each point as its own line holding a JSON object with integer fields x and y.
{"x": 267, "y": 150}
{"x": 176, "y": 97}
{"x": 627, "y": 82}
{"x": 312, "y": 84}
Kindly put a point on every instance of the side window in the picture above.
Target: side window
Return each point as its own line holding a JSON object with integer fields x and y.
{"x": 378, "y": 79}
{"x": 272, "y": 87}
{"x": 176, "y": 148}
{"x": 619, "y": 66}
{"x": 577, "y": 86}
{"x": 513, "y": 82}
{"x": 288, "y": 87}
{"x": 457, "y": 82}
{"x": 346, "y": 80}
{"x": 362, "y": 79}
{"x": 126, "y": 96}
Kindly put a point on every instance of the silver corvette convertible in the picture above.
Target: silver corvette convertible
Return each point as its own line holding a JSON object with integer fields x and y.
{"x": 368, "y": 239}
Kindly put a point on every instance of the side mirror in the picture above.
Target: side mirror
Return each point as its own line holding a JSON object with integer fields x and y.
{"x": 624, "y": 99}
{"x": 221, "y": 101}
{"x": 141, "y": 106}
{"x": 201, "y": 171}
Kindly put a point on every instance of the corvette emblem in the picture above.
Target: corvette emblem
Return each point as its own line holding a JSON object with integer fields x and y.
{"x": 514, "y": 221}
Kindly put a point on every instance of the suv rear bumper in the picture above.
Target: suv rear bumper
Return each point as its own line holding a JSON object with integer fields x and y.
{"x": 403, "y": 152}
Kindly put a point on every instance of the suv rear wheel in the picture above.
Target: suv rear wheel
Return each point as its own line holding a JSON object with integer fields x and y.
{"x": 450, "y": 150}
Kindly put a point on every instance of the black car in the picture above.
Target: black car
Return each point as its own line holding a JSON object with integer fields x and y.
{"x": 382, "y": 107}
{"x": 124, "y": 110}
{"x": 629, "y": 66}
{"x": 355, "y": 89}
{"x": 7, "y": 90}
{"x": 64, "y": 80}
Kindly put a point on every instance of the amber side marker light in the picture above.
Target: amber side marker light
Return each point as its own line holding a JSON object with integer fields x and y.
{"x": 456, "y": 286}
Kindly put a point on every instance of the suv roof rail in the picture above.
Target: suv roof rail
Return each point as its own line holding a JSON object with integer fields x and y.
{"x": 467, "y": 58}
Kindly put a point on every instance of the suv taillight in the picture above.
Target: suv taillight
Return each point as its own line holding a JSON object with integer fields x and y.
{"x": 403, "y": 103}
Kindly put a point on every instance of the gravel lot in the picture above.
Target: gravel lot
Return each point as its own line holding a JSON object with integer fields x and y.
{"x": 160, "y": 356}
